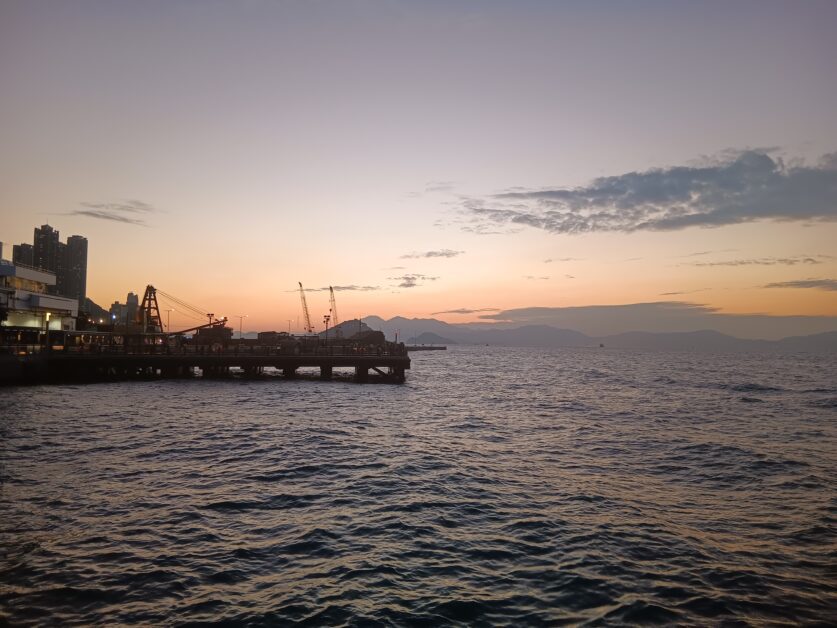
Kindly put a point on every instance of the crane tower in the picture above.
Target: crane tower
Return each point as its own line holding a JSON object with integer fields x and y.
{"x": 308, "y": 327}
{"x": 334, "y": 319}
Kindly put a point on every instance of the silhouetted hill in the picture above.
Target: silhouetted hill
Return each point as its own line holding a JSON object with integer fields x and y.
{"x": 548, "y": 336}
{"x": 346, "y": 329}
{"x": 826, "y": 342}
{"x": 429, "y": 338}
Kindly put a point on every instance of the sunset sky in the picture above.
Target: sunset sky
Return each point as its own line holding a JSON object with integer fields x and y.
{"x": 445, "y": 159}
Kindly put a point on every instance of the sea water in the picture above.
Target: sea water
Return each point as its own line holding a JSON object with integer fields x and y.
{"x": 497, "y": 486}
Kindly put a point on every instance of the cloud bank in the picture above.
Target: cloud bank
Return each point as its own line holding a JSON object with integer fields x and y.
{"x": 744, "y": 187}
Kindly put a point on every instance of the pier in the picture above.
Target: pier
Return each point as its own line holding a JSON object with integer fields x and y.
{"x": 144, "y": 348}
{"x": 107, "y": 362}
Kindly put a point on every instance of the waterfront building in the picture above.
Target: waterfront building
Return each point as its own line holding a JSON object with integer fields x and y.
{"x": 27, "y": 306}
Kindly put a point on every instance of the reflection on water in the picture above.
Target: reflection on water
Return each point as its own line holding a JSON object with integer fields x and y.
{"x": 496, "y": 486}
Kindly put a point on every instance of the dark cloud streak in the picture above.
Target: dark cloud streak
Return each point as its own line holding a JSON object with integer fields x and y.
{"x": 412, "y": 280}
{"x": 102, "y": 215}
{"x": 429, "y": 254}
{"x": 815, "y": 284}
{"x": 351, "y": 288}
{"x": 465, "y": 310}
{"x": 116, "y": 212}
{"x": 767, "y": 261}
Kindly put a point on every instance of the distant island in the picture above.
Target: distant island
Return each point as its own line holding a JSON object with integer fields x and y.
{"x": 433, "y": 331}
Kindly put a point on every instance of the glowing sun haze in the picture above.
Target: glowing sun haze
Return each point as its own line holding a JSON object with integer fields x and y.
{"x": 428, "y": 157}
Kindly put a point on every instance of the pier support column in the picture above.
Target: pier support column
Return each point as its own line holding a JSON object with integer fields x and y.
{"x": 289, "y": 372}
{"x": 325, "y": 372}
{"x": 361, "y": 373}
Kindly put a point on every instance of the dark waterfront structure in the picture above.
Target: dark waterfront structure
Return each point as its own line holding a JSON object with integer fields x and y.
{"x": 105, "y": 356}
{"x": 143, "y": 349}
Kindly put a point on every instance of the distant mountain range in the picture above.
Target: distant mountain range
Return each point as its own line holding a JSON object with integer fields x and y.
{"x": 432, "y": 331}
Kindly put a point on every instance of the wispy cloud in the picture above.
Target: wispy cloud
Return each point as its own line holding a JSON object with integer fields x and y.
{"x": 815, "y": 284}
{"x": 91, "y": 213}
{"x": 465, "y": 310}
{"x": 562, "y": 259}
{"x": 702, "y": 253}
{"x": 412, "y": 280}
{"x": 351, "y": 288}
{"x": 671, "y": 294}
{"x": 743, "y": 187}
{"x": 127, "y": 212}
{"x": 428, "y": 254}
{"x": 536, "y": 278}
{"x": 767, "y": 261}
{"x": 440, "y": 186}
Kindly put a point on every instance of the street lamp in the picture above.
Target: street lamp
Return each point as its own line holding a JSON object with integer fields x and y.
{"x": 168, "y": 318}
{"x": 289, "y": 326}
{"x": 326, "y": 319}
{"x": 240, "y": 318}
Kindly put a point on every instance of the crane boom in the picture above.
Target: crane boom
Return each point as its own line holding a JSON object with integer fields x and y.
{"x": 334, "y": 318}
{"x": 217, "y": 323}
{"x": 308, "y": 327}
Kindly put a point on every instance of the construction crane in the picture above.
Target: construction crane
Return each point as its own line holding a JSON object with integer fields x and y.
{"x": 334, "y": 318}
{"x": 309, "y": 328}
{"x": 148, "y": 314}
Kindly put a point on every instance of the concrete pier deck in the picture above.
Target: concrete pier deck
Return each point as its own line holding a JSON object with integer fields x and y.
{"x": 387, "y": 365}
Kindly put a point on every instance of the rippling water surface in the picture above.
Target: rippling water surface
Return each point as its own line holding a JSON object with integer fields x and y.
{"x": 497, "y": 486}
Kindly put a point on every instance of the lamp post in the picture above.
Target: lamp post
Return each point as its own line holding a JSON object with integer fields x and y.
{"x": 326, "y": 319}
{"x": 240, "y": 318}
{"x": 168, "y": 318}
{"x": 289, "y": 326}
